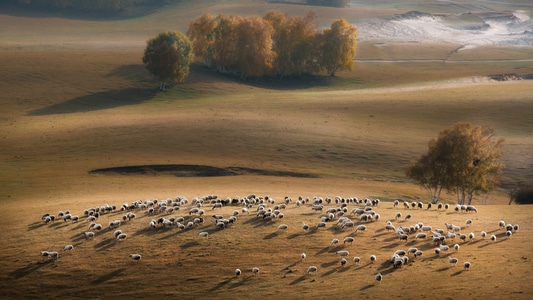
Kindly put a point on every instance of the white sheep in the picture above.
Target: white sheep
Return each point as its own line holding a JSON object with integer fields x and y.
{"x": 238, "y": 272}
{"x": 68, "y": 248}
{"x": 312, "y": 270}
{"x": 303, "y": 256}
{"x": 456, "y": 247}
{"x": 320, "y": 225}
{"x": 483, "y": 234}
{"x": 452, "y": 260}
{"x": 117, "y": 233}
{"x": 88, "y": 234}
{"x": 508, "y": 233}
{"x": 204, "y": 234}
{"x": 255, "y": 271}
{"x": 342, "y": 253}
{"x": 121, "y": 237}
{"x": 373, "y": 258}
{"x": 471, "y": 236}
{"x": 379, "y": 277}
{"x": 398, "y": 215}
{"x": 360, "y": 228}
{"x": 493, "y": 238}
{"x": 356, "y": 260}
{"x": 467, "y": 265}
{"x": 334, "y": 242}
{"x": 468, "y": 222}
{"x": 136, "y": 257}
{"x": 348, "y": 240}
{"x": 343, "y": 261}
{"x": 418, "y": 253}
{"x": 283, "y": 227}
{"x": 53, "y": 255}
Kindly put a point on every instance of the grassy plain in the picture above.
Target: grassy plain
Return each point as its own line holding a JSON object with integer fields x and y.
{"x": 75, "y": 97}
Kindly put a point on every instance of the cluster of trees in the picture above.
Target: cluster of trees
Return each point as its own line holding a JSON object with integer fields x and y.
{"x": 275, "y": 45}
{"x": 463, "y": 160}
{"x": 91, "y": 5}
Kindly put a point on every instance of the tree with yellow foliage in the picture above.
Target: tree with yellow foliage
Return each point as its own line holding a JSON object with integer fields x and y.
{"x": 338, "y": 46}
{"x": 464, "y": 160}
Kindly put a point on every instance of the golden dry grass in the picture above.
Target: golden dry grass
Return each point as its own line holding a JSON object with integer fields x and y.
{"x": 68, "y": 108}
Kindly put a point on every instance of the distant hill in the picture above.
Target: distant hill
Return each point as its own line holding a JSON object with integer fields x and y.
{"x": 90, "y": 8}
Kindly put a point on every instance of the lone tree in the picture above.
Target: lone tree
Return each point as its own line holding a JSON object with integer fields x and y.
{"x": 463, "y": 160}
{"x": 168, "y": 56}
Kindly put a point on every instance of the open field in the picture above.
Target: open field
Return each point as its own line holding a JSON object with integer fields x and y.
{"x": 76, "y": 98}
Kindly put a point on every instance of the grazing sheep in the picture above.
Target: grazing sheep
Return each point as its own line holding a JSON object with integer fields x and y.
{"x": 53, "y": 255}
{"x": 444, "y": 247}
{"x": 238, "y": 272}
{"x": 418, "y": 253}
{"x": 452, "y": 260}
{"x": 343, "y": 262}
{"x": 356, "y": 260}
{"x": 68, "y": 248}
{"x": 398, "y": 215}
{"x": 373, "y": 258}
{"x": 255, "y": 271}
{"x": 305, "y": 226}
{"x": 117, "y": 233}
{"x": 456, "y": 247}
{"x": 421, "y": 235}
{"x": 88, "y": 234}
{"x": 493, "y": 238}
{"x": 45, "y": 254}
{"x": 312, "y": 270}
{"x": 320, "y": 225}
{"x": 136, "y": 257}
{"x": 204, "y": 234}
{"x": 467, "y": 265}
{"x": 342, "y": 253}
{"x": 468, "y": 222}
{"x": 379, "y": 277}
{"x": 407, "y": 217}
{"x": 471, "y": 236}
{"x": 483, "y": 234}
{"x": 121, "y": 237}
{"x": 462, "y": 237}
{"x": 508, "y": 233}
{"x": 516, "y": 227}
{"x": 348, "y": 240}
{"x": 334, "y": 242}
{"x": 395, "y": 203}
{"x": 360, "y": 228}
{"x": 303, "y": 256}
{"x": 437, "y": 251}
{"x": 283, "y": 227}
{"x": 403, "y": 237}
{"x": 501, "y": 224}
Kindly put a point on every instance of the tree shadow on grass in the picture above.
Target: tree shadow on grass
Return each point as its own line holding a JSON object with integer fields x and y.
{"x": 97, "y": 101}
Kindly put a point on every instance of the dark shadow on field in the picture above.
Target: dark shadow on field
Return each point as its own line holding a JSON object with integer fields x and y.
{"x": 220, "y": 285}
{"x": 132, "y": 72}
{"x": 298, "y": 280}
{"x": 189, "y": 244}
{"x": 295, "y": 235}
{"x": 457, "y": 273}
{"x": 97, "y": 101}
{"x": 21, "y": 272}
{"x": 36, "y": 225}
{"x": 329, "y": 264}
{"x": 329, "y": 249}
{"x": 366, "y": 287}
{"x": 329, "y": 272}
{"x": 238, "y": 283}
{"x": 108, "y": 276}
{"x": 105, "y": 244}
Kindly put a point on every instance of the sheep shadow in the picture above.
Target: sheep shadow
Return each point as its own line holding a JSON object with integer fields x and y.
{"x": 368, "y": 286}
{"x": 105, "y": 244}
{"x": 220, "y": 285}
{"x": 295, "y": 235}
{"x": 329, "y": 264}
{"x": 24, "y": 271}
{"x": 238, "y": 283}
{"x": 329, "y": 272}
{"x": 108, "y": 276}
{"x": 457, "y": 273}
{"x": 36, "y": 225}
{"x": 271, "y": 235}
{"x": 189, "y": 244}
{"x": 298, "y": 280}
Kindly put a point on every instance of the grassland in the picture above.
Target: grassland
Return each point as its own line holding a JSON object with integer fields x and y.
{"x": 75, "y": 97}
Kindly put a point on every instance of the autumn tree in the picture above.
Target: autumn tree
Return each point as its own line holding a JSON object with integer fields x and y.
{"x": 167, "y": 56}
{"x": 293, "y": 43}
{"x": 338, "y": 46}
{"x": 201, "y": 35}
{"x": 254, "y": 44}
{"x": 463, "y": 160}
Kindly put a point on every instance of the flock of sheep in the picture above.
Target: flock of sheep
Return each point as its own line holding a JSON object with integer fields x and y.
{"x": 347, "y": 216}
